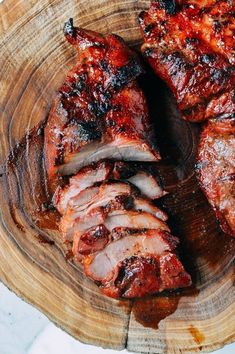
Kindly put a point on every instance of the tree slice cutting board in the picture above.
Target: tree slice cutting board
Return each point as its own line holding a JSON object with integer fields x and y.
{"x": 34, "y": 263}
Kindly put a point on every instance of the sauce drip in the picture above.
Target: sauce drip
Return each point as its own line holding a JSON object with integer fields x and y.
{"x": 150, "y": 311}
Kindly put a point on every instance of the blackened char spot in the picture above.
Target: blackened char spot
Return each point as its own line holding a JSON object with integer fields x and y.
{"x": 126, "y": 200}
{"x": 221, "y": 75}
{"x": 148, "y": 28}
{"x": 99, "y": 108}
{"x": 104, "y": 65}
{"x": 68, "y": 28}
{"x": 88, "y": 131}
{"x": 217, "y": 25}
{"x": 124, "y": 171}
{"x": 168, "y": 6}
{"x": 191, "y": 40}
{"x": 76, "y": 87}
{"x": 207, "y": 58}
{"x": 141, "y": 16}
{"x": 148, "y": 52}
{"x": 125, "y": 74}
{"x": 80, "y": 82}
{"x": 59, "y": 159}
{"x": 178, "y": 61}
{"x": 110, "y": 123}
{"x": 188, "y": 111}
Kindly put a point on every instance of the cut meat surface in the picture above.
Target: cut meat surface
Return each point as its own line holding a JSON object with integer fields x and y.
{"x": 216, "y": 169}
{"x": 139, "y": 220}
{"x": 85, "y": 178}
{"x": 148, "y": 185}
{"x": 164, "y": 272}
{"x": 97, "y": 173}
{"x": 142, "y": 204}
{"x": 101, "y": 265}
{"x": 191, "y": 45}
{"x": 95, "y": 203}
{"x": 104, "y": 194}
{"x": 100, "y": 112}
{"x": 70, "y": 224}
{"x": 137, "y": 263}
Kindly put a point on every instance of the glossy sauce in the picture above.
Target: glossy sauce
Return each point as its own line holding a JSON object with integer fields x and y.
{"x": 150, "y": 311}
{"x": 190, "y": 217}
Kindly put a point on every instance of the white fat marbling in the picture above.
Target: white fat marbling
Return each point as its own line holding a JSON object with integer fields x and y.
{"x": 24, "y": 330}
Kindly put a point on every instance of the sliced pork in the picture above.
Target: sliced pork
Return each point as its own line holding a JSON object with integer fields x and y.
{"x": 102, "y": 171}
{"x": 142, "y": 204}
{"x": 147, "y": 184}
{"x": 102, "y": 264}
{"x": 146, "y": 274}
{"x": 131, "y": 262}
{"x": 71, "y": 225}
{"x": 98, "y": 135}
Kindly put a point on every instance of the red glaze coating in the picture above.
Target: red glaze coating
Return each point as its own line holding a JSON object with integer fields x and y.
{"x": 100, "y": 113}
{"x": 99, "y": 105}
{"x": 191, "y": 46}
{"x": 216, "y": 169}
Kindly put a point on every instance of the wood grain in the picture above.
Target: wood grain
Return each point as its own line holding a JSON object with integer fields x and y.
{"x": 34, "y": 263}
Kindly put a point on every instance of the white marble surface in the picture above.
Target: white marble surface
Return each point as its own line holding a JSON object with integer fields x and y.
{"x": 24, "y": 330}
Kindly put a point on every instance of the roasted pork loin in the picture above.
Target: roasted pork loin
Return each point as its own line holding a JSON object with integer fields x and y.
{"x": 191, "y": 45}
{"x": 99, "y": 121}
{"x": 100, "y": 112}
{"x": 216, "y": 169}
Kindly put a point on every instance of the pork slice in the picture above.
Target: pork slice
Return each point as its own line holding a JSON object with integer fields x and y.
{"x": 134, "y": 219}
{"x": 146, "y": 274}
{"x": 147, "y": 184}
{"x": 123, "y": 148}
{"x": 105, "y": 193}
{"x": 92, "y": 174}
{"x": 101, "y": 265}
{"x": 142, "y": 204}
{"x": 86, "y": 177}
{"x": 70, "y": 226}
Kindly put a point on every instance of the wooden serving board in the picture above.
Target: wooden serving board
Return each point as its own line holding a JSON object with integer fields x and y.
{"x": 33, "y": 261}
